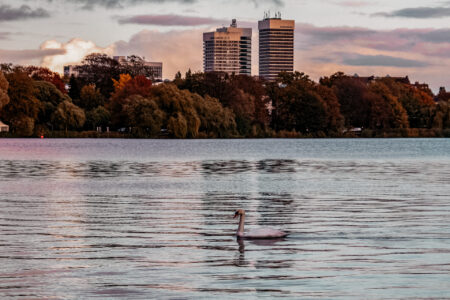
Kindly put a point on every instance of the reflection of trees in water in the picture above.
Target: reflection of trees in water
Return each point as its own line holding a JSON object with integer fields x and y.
{"x": 276, "y": 209}
{"x": 222, "y": 167}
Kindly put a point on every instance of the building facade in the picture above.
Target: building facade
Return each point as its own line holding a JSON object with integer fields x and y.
{"x": 228, "y": 49}
{"x": 276, "y": 47}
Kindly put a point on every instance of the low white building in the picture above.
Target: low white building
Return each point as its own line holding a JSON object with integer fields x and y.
{"x": 3, "y": 127}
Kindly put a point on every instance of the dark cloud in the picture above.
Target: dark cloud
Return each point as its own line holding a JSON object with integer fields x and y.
{"x": 170, "y": 20}
{"x": 110, "y": 4}
{"x": 4, "y": 35}
{"x": 381, "y": 61}
{"x": 426, "y": 41}
{"x": 352, "y": 3}
{"x": 8, "y": 13}
{"x": 17, "y": 56}
{"x": 417, "y": 13}
{"x": 333, "y": 33}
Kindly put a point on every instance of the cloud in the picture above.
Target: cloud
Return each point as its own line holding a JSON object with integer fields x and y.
{"x": 179, "y": 50}
{"x": 321, "y": 34}
{"x": 8, "y": 13}
{"x": 170, "y": 20}
{"x": 54, "y": 55}
{"x": 112, "y": 4}
{"x": 381, "y": 60}
{"x": 26, "y": 56}
{"x": 72, "y": 52}
{"x": 419, "y": 41}
{"x": 417, "y": 13}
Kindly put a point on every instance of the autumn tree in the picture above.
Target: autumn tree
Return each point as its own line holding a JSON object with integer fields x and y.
{"x": 99, "y": 70}
{"x": 334, "y": 118}
{"x": 4, "y": 85}
{"x": 441, "y": 118}
{"x": 102, "y": 70}
{"x": 416, "y": 99}
{"x": 352, "y": 94}
{"x": 44, "y": 74}
{"x": 124, "y": 88}
{"x": 386, "y": 110}
{"x": 299, "y": 105}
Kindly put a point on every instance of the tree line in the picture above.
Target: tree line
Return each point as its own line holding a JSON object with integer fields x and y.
{"x": 35, "y": 101}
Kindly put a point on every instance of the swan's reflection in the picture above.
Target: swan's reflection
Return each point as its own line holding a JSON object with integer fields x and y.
{"x": 240, "y": 259}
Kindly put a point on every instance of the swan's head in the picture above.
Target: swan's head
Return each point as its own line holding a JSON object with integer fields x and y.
{"x": 239, "y": 212}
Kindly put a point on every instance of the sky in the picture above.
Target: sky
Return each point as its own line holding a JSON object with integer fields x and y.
{"x": 378, "y": 37}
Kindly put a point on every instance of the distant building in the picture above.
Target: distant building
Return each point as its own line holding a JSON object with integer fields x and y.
{"x": 155, "y": 68}
{"x": 3, "y": 127}
{"x": 228, "y": 49}
{"x": 404, "y": 80}
{"x": 276, "y": 46}
{"x": 70, "y": 70}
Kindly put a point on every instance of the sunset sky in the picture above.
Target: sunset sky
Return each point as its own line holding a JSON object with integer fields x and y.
{"x": 380, "y": 37}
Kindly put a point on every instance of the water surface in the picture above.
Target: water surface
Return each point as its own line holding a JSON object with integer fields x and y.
{"x": 140, "y": 219}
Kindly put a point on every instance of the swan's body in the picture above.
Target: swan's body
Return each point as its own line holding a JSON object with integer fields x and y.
{"x": 258, "y": 233}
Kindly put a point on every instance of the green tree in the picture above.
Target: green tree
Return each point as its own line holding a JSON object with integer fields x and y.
{"x": 244, "y": 95}
{"x": 178, "y": 126}
{"x": 188, "y": 114}
{"x": 22, "y": 110}
{"x": 145, "y": 116}
{"x": 49, "y": 96}
{"x": 68, "y": 116}
{"x": 90, "y": 98}
{"x": 98, "y": 117}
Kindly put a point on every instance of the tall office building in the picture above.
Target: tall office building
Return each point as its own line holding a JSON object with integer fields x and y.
{"x": 228, "y": 49}
{"x": 276, "y": 46}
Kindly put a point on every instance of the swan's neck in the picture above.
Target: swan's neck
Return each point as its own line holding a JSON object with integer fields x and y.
{"x": 241, "y": 225}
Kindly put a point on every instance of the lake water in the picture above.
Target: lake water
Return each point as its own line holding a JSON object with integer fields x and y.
{"x": 143, "y": 219}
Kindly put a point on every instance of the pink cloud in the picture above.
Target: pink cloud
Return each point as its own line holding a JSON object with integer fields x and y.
{"x": 170, "y": 20}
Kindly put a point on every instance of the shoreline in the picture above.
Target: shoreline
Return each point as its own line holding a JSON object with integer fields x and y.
{"x": 367, "y": 134}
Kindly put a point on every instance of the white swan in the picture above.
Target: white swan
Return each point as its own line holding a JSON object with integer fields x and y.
{"x": 259, "y": 233}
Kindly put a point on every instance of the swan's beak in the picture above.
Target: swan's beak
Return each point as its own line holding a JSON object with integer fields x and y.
{"x": 235, "y": 215}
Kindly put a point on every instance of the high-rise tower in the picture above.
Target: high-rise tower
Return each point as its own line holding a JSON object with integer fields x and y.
{"x": 276, "y": 46}
{"x": 228, "y": 49}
